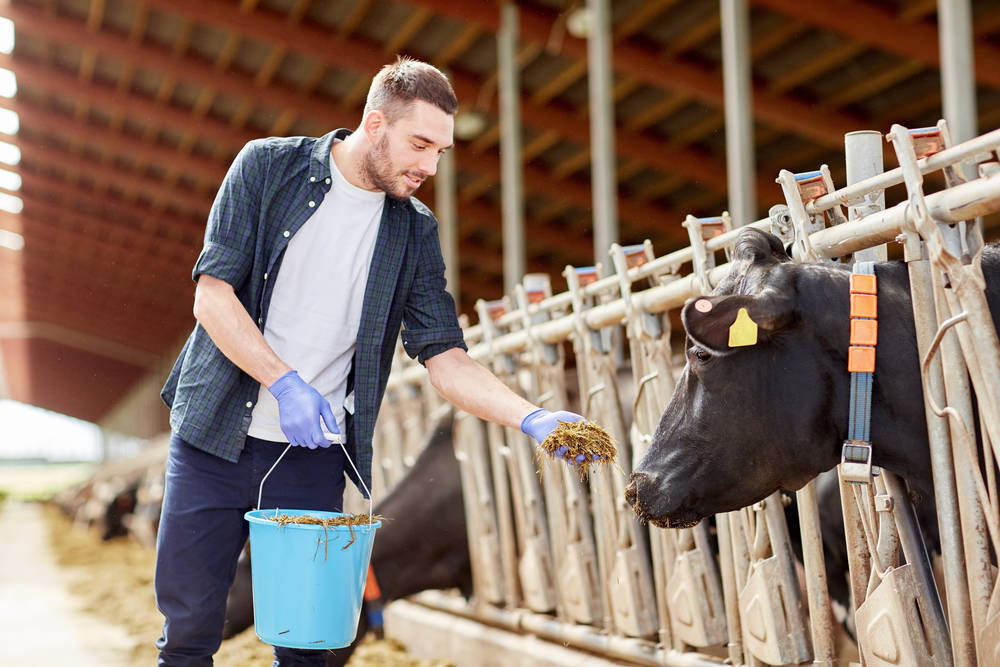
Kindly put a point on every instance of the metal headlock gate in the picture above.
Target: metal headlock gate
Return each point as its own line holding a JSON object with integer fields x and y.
{"x": 566, "y": 558}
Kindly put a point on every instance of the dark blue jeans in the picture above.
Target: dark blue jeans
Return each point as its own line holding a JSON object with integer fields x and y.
{"x": 202, "y": 531}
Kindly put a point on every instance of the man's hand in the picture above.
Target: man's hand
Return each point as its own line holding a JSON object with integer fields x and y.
{"x": 300, "y": 408}
{"x": 540, "y": 423}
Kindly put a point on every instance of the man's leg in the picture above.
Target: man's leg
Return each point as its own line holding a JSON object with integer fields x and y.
{"x": 201, "y": 533}
{"x": 310, "y": 479}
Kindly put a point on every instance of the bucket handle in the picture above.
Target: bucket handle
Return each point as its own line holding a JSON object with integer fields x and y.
{"x": 371, "y": 502}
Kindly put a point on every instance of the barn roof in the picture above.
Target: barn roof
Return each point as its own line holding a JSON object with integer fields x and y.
{"x": 131, "y": 110}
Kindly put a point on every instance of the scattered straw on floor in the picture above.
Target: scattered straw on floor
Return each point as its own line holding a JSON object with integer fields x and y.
{"x": 114, "y": 580}
{"x": 582, "y": 437}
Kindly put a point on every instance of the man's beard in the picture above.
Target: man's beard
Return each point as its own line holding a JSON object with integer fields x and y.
{"x": 379, "y": 171}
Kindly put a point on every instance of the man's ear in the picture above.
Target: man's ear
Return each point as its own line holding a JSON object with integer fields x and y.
{"x": 722, "y": 323}
{"x": 374, "y": 125}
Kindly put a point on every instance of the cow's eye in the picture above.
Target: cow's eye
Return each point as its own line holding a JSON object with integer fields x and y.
{"x": 700, "y": 353}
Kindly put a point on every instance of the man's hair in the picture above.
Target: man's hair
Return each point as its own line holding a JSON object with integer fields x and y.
{"x": 397, "y": 86}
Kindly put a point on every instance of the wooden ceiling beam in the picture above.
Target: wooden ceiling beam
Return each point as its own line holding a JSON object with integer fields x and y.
{"x": 107, "y": 140}
{"x": 75, "y": 197}
{"x": 147, "y": 56}
{"x": 700, "y": 82}
{"x": 162, "y": 252}
{"x": 361, "y": 55}
{"x": 537, "y": 179}
{"x": 39, "y": 156}
{"x": 881, "y": 28}
{"x": 352, "y": 53}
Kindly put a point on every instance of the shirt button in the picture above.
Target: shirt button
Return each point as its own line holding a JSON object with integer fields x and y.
{"x": 265, "y": 275}
{"x": 312, "y": 179}
{"x": 311, "y": 204}
{"x": 287, "y": 234}
{"x": 249, "y": 404}
{"x": 328, "y": 181}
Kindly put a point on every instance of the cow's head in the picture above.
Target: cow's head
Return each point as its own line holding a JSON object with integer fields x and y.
{"x": 751, "y": 412}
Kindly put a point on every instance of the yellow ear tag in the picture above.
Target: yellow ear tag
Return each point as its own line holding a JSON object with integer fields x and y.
{"x": 743, "y": 332}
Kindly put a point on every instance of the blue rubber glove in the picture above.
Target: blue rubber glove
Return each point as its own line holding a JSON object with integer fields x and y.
{"x": 300, "y": 408}
{"x": 540, "y": 423}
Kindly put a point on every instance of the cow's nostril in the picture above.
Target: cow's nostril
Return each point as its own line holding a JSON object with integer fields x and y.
{"x": 632, "y": 490}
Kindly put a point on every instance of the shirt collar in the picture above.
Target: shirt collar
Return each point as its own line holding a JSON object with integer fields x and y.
{"x": 319, "y": 165}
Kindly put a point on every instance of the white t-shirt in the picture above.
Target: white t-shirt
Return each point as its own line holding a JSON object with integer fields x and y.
{"x": 315, "y": 310}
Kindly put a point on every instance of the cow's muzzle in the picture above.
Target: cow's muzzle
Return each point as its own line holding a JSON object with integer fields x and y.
{"x": 648, "y": 500}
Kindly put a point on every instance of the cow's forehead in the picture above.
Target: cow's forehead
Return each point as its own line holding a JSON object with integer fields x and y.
{"x": 749, "y": 277}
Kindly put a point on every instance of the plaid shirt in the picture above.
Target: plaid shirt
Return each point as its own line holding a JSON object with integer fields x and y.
{"x": 271, "y": 189}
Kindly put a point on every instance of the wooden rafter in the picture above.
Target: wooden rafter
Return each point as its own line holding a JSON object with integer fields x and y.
{"x": 881, "y": 28}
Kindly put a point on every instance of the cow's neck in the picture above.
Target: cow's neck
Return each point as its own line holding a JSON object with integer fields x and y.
{"x": 898, "y": 424}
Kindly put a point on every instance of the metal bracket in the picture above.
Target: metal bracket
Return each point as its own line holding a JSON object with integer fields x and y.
{"x": 856, "y": 462}
{"x": 699, "y": 231}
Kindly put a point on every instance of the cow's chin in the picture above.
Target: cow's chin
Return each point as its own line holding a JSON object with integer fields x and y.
{"x": 646, "y": 500}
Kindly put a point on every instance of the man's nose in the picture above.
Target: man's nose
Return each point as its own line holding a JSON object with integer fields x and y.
{"x": 428, "y": 164}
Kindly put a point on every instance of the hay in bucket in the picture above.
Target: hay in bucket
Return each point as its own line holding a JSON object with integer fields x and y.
{"x": 349, "y": 520}
{"x": 582, "y": 437}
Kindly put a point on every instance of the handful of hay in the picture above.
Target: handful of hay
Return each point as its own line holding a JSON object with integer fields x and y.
{"x": 585, "y": 444}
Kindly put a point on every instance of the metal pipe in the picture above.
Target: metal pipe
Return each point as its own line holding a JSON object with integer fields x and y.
{"x": 636, "y": 650}
{"x": 958, "y": 67}
{"x": 511, "y": 186}
{"x": 983, "y": 144}
{"x": 908, "y": 531}
{"x": 602, "y": 130}
{"x": 945, "y": 492}
{"x": 968, "y": 200}
{"x": 863, "y": 153}
{"x": 446, "y": 205}
{"x": 741, "y": 170}
{"x": 820, "y": 616}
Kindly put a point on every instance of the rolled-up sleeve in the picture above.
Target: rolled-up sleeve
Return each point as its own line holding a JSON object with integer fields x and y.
{"x": 232, "y": 223}
{"x": 430, "y": 325}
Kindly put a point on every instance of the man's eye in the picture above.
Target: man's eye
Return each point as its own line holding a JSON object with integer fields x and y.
{"x": 418, "y": 147}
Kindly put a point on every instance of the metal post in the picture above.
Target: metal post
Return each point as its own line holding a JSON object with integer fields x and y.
{"x": 945, "y": 491}
{"x": 958, "y": 76}
{"x": 602, "y": 129}
{"x": 445, "y": 203}
{"x": 512, "y": 187}
{"x": 863, "y": 152}
{"x": 736, "y": 63}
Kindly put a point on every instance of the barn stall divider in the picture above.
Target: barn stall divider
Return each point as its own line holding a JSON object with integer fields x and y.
{"x": 565, "y": 558}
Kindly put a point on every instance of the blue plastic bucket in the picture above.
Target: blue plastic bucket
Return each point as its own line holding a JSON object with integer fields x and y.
{"x": 307, "y": 587}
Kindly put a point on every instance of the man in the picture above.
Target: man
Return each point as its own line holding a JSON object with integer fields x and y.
{"x": 315, "y": 254}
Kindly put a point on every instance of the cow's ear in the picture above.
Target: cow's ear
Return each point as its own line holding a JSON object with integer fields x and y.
{"x": 723, "y": 323}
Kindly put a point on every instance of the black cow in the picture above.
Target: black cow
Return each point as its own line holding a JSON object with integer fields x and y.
{"x": 422, "y": 545}
{"x": 746, "y": 421}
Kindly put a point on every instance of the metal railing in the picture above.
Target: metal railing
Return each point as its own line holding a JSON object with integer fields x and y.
{"x": 567, "y": 559}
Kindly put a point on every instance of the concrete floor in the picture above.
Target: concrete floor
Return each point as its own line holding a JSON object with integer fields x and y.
{"x": 40, "y": 624}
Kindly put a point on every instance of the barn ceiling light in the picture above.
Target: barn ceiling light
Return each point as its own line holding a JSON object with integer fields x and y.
{"x": 11, "y": 240}
{"x": 9, "y": 153}
{"x": 10, "y": 180}
{"x": 578, "y": 23}
{"x": 8, "y": 83}
{"x": 469, "y": 124}
{"x": 6, "y": 35}
{"x": 10, "y": 122}
{"x": 10, "y": 203}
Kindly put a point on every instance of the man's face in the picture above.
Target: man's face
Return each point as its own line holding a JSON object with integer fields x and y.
{"x": 407, "y": 151}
